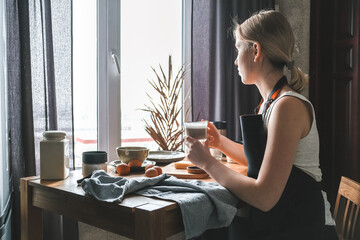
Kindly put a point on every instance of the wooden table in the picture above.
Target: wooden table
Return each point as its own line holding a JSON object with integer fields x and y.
{"x": 137, "y": 217}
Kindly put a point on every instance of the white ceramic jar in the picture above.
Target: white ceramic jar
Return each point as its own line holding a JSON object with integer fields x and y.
{"x": 54, "y": 156}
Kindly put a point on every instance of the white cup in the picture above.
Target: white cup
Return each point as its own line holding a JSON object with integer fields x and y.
{"x": 197, "y": 130}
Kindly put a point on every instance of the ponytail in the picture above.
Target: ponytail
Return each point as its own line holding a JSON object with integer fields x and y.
{"x": 299, "y": 80}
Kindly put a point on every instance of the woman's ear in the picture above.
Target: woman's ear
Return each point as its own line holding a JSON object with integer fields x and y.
{"x": 257, "y": 51}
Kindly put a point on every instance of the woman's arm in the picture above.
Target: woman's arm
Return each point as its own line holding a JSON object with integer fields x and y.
{"x": 289, "y": 122}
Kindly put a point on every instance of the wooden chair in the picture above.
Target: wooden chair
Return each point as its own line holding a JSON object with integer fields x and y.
{"x": 346, "y": 211}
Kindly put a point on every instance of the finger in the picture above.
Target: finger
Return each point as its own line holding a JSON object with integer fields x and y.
{"x": 211, "y": 126}
{"x": 206, "y": 143}
{"x": 190, "y": 139}
{"x": 203, "y": 120}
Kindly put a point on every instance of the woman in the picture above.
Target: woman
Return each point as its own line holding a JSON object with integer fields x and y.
{"x": 284, "y": 198}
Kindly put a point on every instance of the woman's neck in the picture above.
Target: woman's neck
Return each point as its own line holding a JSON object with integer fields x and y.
{"x": 266, "y": 76}
{"x": 266, "y": 83}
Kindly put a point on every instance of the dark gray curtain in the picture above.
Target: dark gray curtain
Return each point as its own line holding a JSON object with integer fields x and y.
{"x": 40, "y": 93}
{"x": 217, "y": 91}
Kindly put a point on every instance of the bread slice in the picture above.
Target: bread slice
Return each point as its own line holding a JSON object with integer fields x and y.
{"x": 183, "y": 164}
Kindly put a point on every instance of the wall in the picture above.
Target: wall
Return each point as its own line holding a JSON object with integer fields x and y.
{"x": 298, "y": 14}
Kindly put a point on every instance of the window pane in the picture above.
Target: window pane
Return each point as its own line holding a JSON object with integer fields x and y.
{"x": 4, "y": 163}
{"x": 2, "y": 88}
{"x": 150, "y": 31}
{"x": 84, "y": 76}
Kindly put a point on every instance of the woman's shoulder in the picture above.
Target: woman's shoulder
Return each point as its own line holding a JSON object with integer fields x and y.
{"x": 293, "y": 94}
{"x": 291, "y": 99}
{"x": 293, "y": 107}
{"x": 290, "y": 102}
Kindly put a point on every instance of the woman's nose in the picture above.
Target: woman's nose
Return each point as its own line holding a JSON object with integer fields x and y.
{"x": 235, "y": 62}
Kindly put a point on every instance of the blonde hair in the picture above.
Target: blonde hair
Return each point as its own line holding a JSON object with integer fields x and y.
{"x": 274, "y": 33}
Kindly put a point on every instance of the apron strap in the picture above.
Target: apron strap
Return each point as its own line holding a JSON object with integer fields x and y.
{"x": 272, "y": 96}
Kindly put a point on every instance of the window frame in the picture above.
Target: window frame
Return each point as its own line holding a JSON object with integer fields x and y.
{"x": 108, "y": 80}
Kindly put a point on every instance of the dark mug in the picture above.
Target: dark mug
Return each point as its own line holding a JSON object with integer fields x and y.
{"x": 254, "y": 139}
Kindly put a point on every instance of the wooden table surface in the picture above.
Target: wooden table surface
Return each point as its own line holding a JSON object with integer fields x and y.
{"x": 136, "y": 217}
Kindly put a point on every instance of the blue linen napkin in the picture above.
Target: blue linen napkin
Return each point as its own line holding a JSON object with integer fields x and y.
{"x": 203, "y": 205}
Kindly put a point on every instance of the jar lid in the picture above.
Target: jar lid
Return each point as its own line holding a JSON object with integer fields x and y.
{"x": 219, "y": 124}
{"x": 54, "y": 134}
{"x": 94, "y": 157}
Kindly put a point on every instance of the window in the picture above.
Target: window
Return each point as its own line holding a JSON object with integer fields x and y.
{"x": 4, "y": 161}
{"x": 147, "y": 36}
{"x": 84, "y": 77}
{"x": 2, "y": 85}
{"x": 112, "y": 63}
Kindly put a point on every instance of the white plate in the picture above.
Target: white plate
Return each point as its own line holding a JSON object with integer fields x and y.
{"x": 117, "y": 162}
{"x": 166, "y": 156}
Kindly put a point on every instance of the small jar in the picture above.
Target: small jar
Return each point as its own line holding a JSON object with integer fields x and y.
{"x": 93, "y": 160}
{"x": 54, "y": 156}
{"x": 221, "y": 126}
{"x": 216, "y": 153}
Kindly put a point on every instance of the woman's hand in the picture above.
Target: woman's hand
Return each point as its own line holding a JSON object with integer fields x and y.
{"x": 198, "y": 153}
{"x": 213, "y": 136}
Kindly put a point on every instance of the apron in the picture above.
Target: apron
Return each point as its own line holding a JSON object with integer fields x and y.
{"x": 299, "y": 214}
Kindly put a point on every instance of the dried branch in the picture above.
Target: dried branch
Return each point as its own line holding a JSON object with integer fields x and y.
{"x": 164, "y": 127}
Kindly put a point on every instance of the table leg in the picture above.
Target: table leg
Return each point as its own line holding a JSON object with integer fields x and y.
{"x": 31, "y": 217}
{"x": 149, "y": 222}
